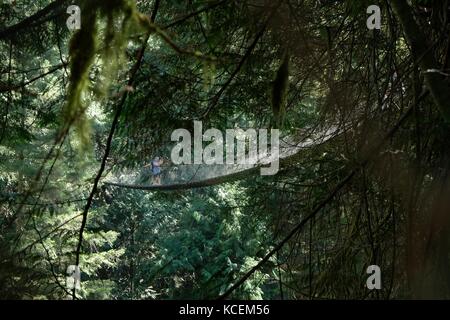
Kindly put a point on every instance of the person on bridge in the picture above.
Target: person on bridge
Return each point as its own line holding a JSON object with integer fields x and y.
{"x": 156, "y": 170}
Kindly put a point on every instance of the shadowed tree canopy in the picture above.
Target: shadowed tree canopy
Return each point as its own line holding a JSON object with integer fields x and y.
{"x": 83, "y": 112}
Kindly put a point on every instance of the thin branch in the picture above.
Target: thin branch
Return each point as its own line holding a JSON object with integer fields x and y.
{"x": 195, "y": 13}
{"x": 58, "y": 6}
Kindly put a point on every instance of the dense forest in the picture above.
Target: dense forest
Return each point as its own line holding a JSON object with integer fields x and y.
{"x": 91, "y": 92}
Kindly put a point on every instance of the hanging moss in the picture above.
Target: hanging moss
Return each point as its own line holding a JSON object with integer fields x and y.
{"x": 99, "y": 37}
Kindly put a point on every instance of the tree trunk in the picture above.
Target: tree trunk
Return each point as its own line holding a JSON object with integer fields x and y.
{"x": 435, "y": 82}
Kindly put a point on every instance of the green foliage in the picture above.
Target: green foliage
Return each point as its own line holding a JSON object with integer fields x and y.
{"x": 98, "y": 38}
{"x": 198, "y": 243}
{"x": 190, "y": 247}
